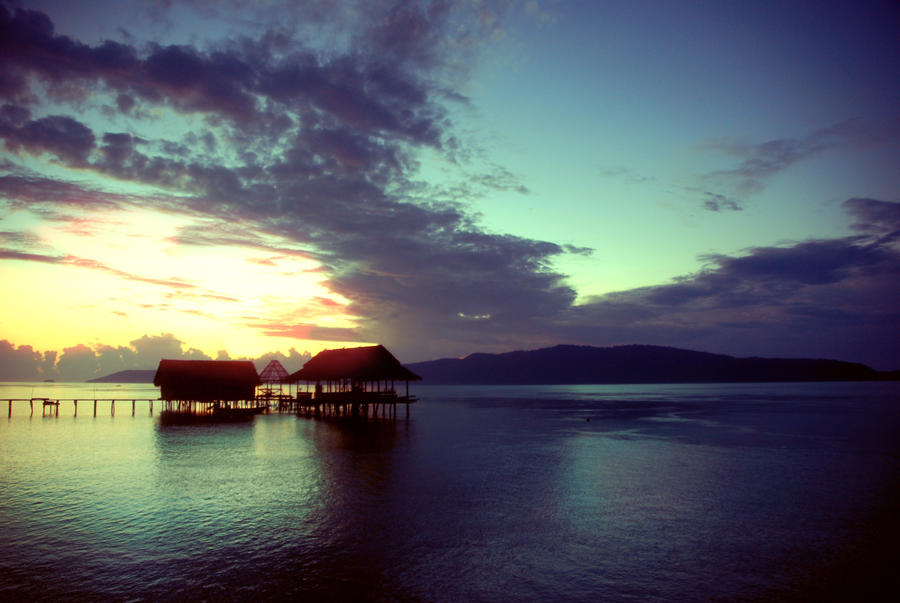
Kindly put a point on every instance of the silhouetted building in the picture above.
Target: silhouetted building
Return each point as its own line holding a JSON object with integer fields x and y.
{"x": 273, "y": 377}
{"x": 364, "y": 369}
{"x": 206, "y": 380}
{"x": 273, "y": 373}
{"x": 354, "y": 382}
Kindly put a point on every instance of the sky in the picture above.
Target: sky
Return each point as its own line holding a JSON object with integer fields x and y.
{"x": 225, "y": 178}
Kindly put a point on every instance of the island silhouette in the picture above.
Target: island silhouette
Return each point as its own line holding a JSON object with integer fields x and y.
{"x": 573, "y": 364}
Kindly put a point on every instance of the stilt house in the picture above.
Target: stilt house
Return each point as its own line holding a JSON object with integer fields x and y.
{"x": 206, "y": 380}
{"x": 372, "y": 370}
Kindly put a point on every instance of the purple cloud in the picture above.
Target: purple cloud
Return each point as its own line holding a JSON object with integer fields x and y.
{"x": 66, "y": 138}
{"x": 310, "y": 331}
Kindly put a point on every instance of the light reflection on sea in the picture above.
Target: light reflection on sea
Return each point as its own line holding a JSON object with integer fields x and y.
{"x": 658, "y": 492}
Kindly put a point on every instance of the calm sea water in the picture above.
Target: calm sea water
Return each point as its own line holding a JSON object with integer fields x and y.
{"x": 583, "y": 493}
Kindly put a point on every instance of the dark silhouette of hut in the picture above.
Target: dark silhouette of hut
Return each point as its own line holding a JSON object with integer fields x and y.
{"x": 273, "y": 373}
{"x": 272, "y": 378}
{"x": 354, "y": 378}
{"x": 206, "y": 380}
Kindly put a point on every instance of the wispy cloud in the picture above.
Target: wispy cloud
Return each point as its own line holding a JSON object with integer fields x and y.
{"x": 759, "y": 162}
{"x": 624, "y": 173}
{"x": 313, "y": 332}
{"x": 717, "y": 202}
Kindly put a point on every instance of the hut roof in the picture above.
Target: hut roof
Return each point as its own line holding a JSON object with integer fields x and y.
{"x": 371, "y": 363}
{"x": 222, "y": 372}
{"x": 273, "y": 373}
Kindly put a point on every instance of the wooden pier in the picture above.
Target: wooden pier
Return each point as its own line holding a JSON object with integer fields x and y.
{"x": 357, "y": 383}
{"x": 360, "y": 405}
{"x": 356, "y": 405}
{"x": 50, "y": 406}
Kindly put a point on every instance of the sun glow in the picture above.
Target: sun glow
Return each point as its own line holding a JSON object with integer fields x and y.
{"x": 139, "y": 272}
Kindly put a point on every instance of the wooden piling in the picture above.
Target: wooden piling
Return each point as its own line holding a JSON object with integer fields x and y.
{"x": 95, "y": 408}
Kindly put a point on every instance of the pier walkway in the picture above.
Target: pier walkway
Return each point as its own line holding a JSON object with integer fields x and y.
{"x": 362, "y": 405}
{"x": 50, "y": 406}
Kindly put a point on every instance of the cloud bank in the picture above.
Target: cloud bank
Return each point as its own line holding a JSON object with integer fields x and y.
{"x": 81, "y": 362}
{"x": 319, "y": 147}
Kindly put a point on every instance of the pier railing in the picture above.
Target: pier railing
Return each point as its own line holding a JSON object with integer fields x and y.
{"x": 335, "y": 404}
{"x": 51, "y": 405}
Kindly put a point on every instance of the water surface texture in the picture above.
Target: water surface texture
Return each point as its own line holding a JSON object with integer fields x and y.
{"x": 617, "y": 493}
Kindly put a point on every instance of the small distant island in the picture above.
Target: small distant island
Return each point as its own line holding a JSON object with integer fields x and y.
{"x": 570, "y": 364}
{"x": 131, "y": 376}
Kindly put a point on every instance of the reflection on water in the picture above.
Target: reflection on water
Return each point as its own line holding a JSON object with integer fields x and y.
{"x": 667, "y": 493}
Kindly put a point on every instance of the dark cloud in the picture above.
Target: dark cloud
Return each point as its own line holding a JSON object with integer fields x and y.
{"x": 823, "y": 298}
{"x": 717, "y": 202}
{"x": 881, "y": 218}
{"x": 29, "y": 46}
{"x": 12, "y": 254}
{"x": 66, "y": 138}
{"x": 125, "y": 103}
{"x": 333, "y": 188}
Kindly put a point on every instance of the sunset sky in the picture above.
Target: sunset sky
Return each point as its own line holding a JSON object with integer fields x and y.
{"x": 452, "y": 177}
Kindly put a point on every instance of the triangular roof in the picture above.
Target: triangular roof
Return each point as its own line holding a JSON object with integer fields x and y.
{"x": 371, "y": 363}
{"x": 273, "y": 373}
{"x": 223, "y": 372}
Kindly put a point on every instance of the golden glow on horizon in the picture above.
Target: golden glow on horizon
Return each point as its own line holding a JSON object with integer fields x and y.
{"x": 113, "y": 276}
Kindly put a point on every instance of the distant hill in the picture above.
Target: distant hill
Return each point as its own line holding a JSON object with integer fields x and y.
{"x": 132, "y": 376}
{"x": 569, "y": 364}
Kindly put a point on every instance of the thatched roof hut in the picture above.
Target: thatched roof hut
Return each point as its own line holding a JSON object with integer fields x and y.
{"x": 273, "y": 373}
{"x": 206, "y": 380}
{"x": 360, "y": 365}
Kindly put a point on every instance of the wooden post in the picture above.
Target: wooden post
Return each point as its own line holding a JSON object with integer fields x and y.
{"x": 112, "y": 408}
{"x": 95, "y": 409}
{"x": 10, "y": 409}
{"x": 76, "y": 407}
{"x": 31, "y": 402}
{"x": 132, "y": 407}
{"x": 151, "y": 408}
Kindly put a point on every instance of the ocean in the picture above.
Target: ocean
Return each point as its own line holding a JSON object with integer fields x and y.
{"x": 707, "y": 492}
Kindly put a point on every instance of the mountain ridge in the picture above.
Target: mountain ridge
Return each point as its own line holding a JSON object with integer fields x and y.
{"x": 634, "y": 363}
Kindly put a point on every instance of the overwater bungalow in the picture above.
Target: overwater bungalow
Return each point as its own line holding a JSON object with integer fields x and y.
{"x": 222, "y": 389}
{"x": 353, "y": 381}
